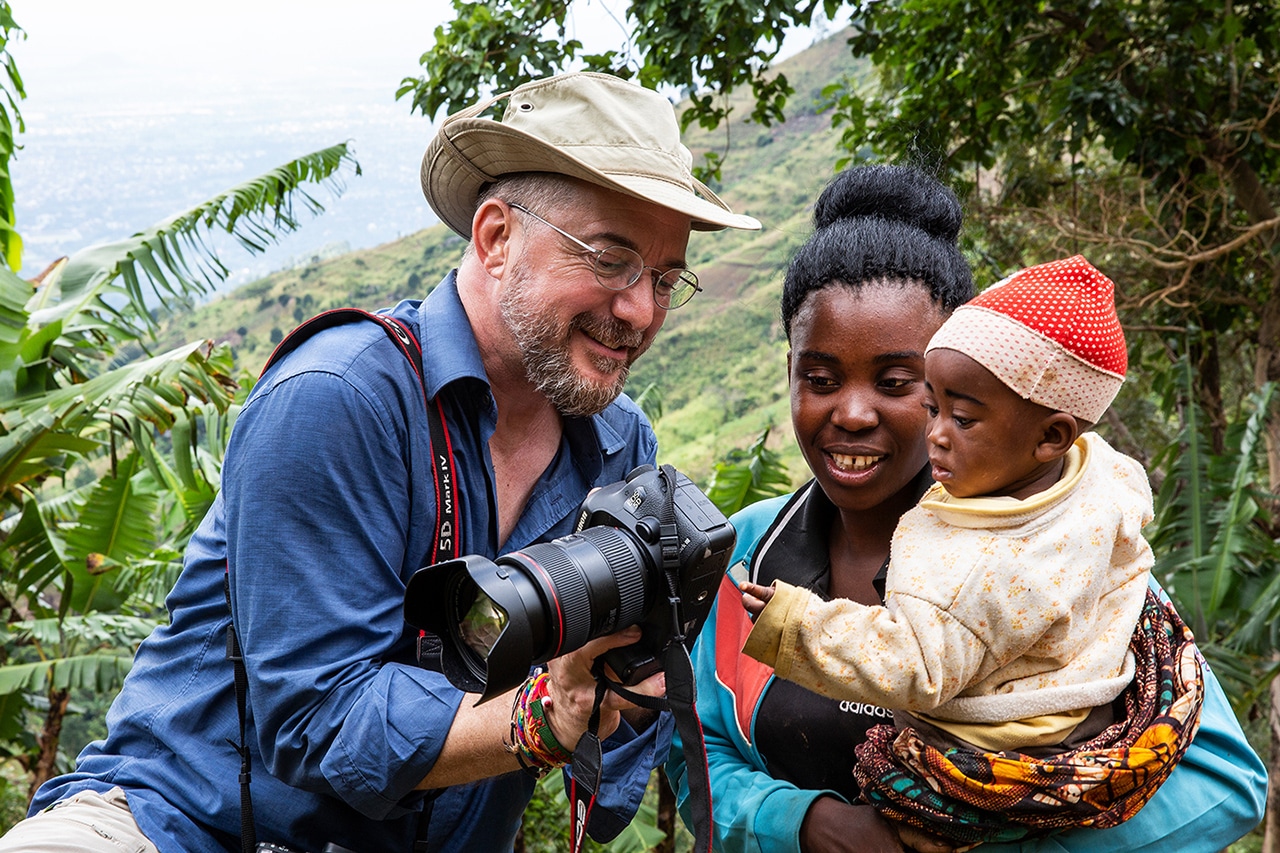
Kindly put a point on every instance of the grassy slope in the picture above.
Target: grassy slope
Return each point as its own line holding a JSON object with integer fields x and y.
{"x": 719, "y": 365}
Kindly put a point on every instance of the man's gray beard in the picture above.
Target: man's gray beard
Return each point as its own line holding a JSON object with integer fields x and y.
{"x": 544, "y": 350}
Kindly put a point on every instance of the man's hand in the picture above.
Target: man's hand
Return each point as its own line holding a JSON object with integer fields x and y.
{"x": 572, "y": 691}
{"x": 474, "y": 746}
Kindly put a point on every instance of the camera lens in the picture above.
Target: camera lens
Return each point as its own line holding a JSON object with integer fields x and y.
{"x": 648, "y": 551}
{"x": 593, "y": 582}
{"x": 482, "y": 624}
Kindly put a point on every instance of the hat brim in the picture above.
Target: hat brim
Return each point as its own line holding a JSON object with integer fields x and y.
{"x": 467, "y": 154}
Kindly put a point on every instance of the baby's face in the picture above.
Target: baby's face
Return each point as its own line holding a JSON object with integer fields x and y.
{"x": 982, "y": 435}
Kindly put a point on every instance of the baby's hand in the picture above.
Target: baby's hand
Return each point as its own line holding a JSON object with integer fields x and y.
{"x": 755, "y": 597}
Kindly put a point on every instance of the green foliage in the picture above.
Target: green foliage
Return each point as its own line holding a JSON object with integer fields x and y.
{"x": 11, "y": 87}
{"x": 1214, "y": 551}
{"x": 747, "y": 476}
{"x": 1153, "y": 81}
{"x": 704, "y": 49}
{"x": 174, "y": 257}
{"x": 83, "y": 570}
{"x": 546, "y": 824}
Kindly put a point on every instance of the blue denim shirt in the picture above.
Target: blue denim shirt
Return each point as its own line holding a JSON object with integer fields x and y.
{"x": 326, "y": 508}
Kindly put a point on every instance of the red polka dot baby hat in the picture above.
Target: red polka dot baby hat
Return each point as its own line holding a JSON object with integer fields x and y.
{"x": 1049, "y": 332}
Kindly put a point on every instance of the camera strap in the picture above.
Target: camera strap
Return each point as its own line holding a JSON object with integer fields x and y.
{"x": 681, "y": 701}
{"x": 445, "y": 541}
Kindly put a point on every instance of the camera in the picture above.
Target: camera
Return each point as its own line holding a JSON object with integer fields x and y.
{"x": 649, "y": 550}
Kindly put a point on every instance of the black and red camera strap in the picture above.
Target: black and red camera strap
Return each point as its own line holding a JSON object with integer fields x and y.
{"x": 680, "y": 700}
{"x": 446, "y": 542}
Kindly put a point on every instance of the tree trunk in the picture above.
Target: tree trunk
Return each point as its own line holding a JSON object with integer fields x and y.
{"x": 1271, "y": 836}
{"x": 666, "y": 814}
{"x": 49, "y": 736}
{"x": 1208, "y": 380}
{"x": 1267, "y": 369}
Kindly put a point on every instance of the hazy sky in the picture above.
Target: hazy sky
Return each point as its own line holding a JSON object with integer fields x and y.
{"x": 171, "y": 45}
{"x": 138, "y": 109}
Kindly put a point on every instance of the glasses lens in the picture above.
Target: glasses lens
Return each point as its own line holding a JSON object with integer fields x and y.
{"x": 617, "y": 267}
{"x": 675, "y": 288}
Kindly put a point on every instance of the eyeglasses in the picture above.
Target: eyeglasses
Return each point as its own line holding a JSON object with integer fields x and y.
{"x": 617, "y": 268}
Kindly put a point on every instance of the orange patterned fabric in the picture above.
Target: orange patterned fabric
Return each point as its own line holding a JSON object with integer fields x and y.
{"x": 971, "y": 796}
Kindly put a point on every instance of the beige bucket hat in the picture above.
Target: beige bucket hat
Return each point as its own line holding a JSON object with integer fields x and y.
{"x": 595, "y": 127}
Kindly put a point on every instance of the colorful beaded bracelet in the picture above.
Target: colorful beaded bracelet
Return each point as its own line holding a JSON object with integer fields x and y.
{"x": 532, "y": 741}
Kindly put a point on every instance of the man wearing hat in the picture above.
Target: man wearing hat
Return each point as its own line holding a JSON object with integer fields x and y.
{"x": 1017, "y": 604}
{"x": 577, "y": 207}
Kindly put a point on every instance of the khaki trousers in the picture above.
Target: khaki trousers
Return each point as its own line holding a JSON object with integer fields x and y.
{"x": 88, "y": 821}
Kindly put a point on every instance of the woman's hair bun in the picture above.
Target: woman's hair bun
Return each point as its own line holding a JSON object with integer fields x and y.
{"x": 895, "y": 193}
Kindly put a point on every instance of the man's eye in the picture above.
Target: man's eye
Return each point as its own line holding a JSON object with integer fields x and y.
{"x": 612, "y": 264}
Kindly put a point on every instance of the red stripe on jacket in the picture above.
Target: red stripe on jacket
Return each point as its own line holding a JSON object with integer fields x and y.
{"x": 744, "y": 677}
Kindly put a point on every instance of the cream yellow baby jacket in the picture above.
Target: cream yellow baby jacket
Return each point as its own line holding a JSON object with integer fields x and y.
{"x": 996, "y": 609}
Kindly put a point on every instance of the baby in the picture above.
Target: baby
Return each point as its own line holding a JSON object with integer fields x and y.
{"x": 1014, "y": 587}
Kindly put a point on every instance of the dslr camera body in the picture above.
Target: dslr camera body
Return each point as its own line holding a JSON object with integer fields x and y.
{"x": 648, "y": 550}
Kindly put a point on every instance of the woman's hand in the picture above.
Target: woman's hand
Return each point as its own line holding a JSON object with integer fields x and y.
{"x": 571, "y": 691}
{"x": 834, "y": 826}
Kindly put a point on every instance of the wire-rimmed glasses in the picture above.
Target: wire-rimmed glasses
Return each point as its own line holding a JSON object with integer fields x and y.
{"x": 617, "y": 268}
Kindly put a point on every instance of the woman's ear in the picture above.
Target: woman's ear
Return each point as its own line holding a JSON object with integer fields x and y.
{"x": 1058, "y": 432}
{"x": 491, "y": 235}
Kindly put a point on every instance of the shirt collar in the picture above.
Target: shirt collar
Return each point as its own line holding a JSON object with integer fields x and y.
{"x": 449, "y": 348}
{"x": 450, "y": 352}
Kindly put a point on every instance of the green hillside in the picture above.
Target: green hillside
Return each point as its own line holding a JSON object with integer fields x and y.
{"x": 719, "y": 364}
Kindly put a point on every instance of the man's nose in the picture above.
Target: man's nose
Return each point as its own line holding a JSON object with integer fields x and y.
{"x": 635, "y": 306}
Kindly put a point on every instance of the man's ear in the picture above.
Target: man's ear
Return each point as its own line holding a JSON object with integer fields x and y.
{"x": 1058, "y": 432}
{"x": 491, "y": 235}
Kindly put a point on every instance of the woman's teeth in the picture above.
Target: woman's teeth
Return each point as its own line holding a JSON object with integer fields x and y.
{"x": 854, "y": 463}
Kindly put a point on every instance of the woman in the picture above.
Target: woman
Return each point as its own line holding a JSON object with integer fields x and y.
{"x": 860, "y": 302}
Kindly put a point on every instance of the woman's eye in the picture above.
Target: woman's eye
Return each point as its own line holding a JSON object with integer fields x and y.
{"x": 897, "y": 384}
{"x": 961, "y": 422}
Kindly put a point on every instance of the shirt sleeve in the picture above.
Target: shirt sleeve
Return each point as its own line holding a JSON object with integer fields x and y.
{"x": 913, "y": 656}
{"x": 317, "y": 496}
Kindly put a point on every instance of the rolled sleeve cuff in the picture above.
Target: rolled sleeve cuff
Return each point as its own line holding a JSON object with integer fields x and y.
{"x": 390, "y": 741}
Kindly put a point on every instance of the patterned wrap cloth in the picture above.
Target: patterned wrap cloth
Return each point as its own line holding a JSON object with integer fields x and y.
{"x": 970, "y": 796}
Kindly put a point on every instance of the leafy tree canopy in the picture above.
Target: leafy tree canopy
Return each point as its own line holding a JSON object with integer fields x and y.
{"x": 1145, "y": 132}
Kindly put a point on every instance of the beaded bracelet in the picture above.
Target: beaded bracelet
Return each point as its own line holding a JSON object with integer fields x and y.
{"x": 532, "y": 741}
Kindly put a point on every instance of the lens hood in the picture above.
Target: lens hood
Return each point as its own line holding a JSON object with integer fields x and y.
{"x": 438, "y": 595}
